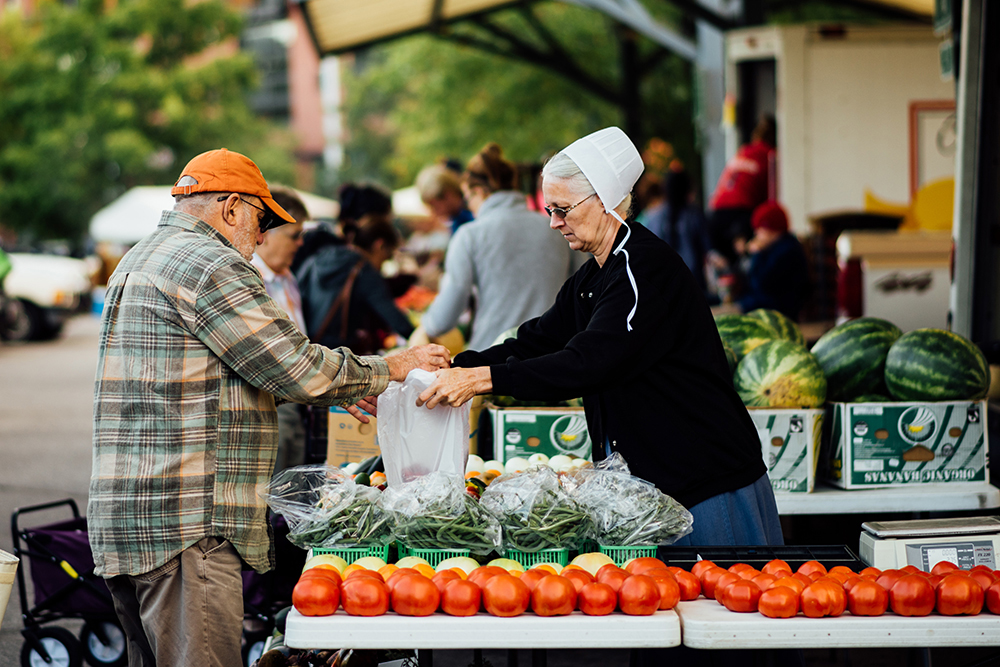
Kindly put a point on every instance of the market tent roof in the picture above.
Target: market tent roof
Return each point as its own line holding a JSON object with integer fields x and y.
{"x": 137, "y": 212}
{"x": 339, "y": 26}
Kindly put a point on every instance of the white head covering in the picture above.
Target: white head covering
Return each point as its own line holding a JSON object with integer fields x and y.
{"x": 612, "y": 164}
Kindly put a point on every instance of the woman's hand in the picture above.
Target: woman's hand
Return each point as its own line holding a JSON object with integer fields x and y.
{"x": 455, "y": 386}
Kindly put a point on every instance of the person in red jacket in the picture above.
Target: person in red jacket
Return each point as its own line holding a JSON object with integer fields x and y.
{"x": 743, "y": 186}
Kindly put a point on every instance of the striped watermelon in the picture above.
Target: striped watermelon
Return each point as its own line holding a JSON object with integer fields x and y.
{"x": 780, "y": 374}
{"x": 730, "y": 357}
{"x": 743, "y": 333}
{"x": 936, "y": 365}
{"x": 853, "y": 356}
{"x": 781, "y": 323}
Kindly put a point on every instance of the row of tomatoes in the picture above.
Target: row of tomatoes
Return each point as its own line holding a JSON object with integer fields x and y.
{"x": 639, "y": 591}
{"x": 777, "y": 592}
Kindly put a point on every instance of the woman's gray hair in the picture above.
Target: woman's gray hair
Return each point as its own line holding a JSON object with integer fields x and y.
{"x": 561, "y": 167}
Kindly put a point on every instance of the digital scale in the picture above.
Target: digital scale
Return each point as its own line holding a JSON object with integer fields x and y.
{"x": 966, "y": 542}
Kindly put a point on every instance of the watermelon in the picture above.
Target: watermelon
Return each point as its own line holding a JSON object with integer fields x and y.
{"x": 743, "y": 333}
{"x": 852, "y": 356}
{"x": 730, "y": 357}
{"x": 781, "y": 323}
{"x": 936, "y": 365}
{"x": 872, "y": 398}
{"x": 780, "y": 374}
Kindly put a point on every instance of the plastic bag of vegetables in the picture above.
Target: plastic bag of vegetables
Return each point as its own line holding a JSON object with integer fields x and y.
{"x": 435, "y": 512}
{"x": 325, "y": 508}
{"x": 535, "y": 512}
{"x": 628, "y": 511}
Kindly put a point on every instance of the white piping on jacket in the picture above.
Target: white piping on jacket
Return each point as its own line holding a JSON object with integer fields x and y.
{"x": 628, "y": 268}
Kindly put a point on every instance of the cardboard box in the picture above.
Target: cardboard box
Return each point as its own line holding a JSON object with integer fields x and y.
{"x": 790, "y": 443}
{"x": 349, "y": 439}
{"x": 527, "y": 431}
{"x": 874, "y": 445}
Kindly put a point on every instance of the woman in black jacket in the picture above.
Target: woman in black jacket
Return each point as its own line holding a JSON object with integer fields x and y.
{"x": 633, "y": 334}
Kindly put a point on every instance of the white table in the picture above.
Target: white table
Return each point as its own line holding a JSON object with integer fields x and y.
{"x": 706, "y": 624}
{"x": 922, "y": 498}
{"x": 440, "y": 631}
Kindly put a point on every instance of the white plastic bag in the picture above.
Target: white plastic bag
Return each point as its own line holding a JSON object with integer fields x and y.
{"x": 415, "y": 440}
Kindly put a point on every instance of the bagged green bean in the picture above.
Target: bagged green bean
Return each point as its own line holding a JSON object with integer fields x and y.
{"x": 627, "y": 511}
{"x": 435, "y": 512}
{"x": 535, "y": 512}
{"x": 325, "y": 508}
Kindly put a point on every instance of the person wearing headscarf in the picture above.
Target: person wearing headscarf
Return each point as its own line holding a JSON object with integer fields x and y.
{"x": 778, "y": 277}
{"x": 633, "y": 334}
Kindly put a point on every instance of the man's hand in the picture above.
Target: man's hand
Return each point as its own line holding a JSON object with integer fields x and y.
{"x": 455, "y": 386}
{"x": 427, "y": 357}
{"x": 369, "y": 404}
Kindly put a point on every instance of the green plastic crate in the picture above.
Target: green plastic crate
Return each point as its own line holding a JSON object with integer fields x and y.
{"x": 621, "y": 555}
{"x": 351, "y": 554}
{"x": 560, "y": 556}
{"x": 432, "y": 556}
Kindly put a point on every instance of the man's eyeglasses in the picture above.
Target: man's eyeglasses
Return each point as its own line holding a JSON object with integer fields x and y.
{"x": 561, "y": 213}
{"x": 269, "y": 221}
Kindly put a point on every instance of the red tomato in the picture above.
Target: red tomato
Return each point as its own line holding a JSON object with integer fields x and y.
{"x": 823, "y": 598}
{"x": 504, "y": 595}
{"x": 553, "y": 596}
{"x": 936, "y": 580}
{"x": 839, "y": 577}
{"x": 612, "y": 576}
{"x": 364, "y": 573}
{"x": 640, "y": 565}
{"x": 397, "y": 575}
{"x": 365, "y": 596}
{"x": 670, "y": 591}
{"x": 866, "y": 598}
{"x": 580, "y": 578}
{"x": 911, "y": 595}
{"x": 328, "y": 571}
{"x": 461, "y": 598}
{"x": 842, "y": 570}
{"x": 985, "y": 577}
{"x": 993, "y": 598}
{"x": 792, "y": 582}
{"x": 484, "y": 572}
{"x": 532, "y": 577}
{"x": 981, "y": 567}
{"x": 639, "y": 596}
{"x": 888, "y": 578}
{"x": 764, "y": 580}
{"x": 442, "y": 578}
{"x": 610, "y": 567}
{"x": 415, "y": 595}
{"x": 777, "y": 567}
{"x": 749, "y": 574}
{"x": 943, "y": 567}
{"x": 874, "y": 571}
{"x": 699, "y": 568}
{"x": 316, "y": 596}
{"x": 910, "y": 569}
{"x": 724, "y": 581}
{"x": 689, "y": 584}
{"x": 804, "y": 578}
{"x": 596, "y": 599}
{"x": 960, "y": 594}
{"x": 811, "y": 566}
{"x": 739, "y": 567}
{"x": 779, "y": 602}
{"x": 742, "y": 596}
{"x": 709, "y": 578}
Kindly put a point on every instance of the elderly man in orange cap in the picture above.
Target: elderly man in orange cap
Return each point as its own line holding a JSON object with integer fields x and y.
{"x": 193, "y": 356}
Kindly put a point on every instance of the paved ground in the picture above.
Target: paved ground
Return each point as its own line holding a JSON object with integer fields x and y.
{"x": 45, "y": 430}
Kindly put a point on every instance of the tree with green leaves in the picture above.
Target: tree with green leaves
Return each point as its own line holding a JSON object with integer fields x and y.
{"x": 416, "y": 100}
{"x": 95, "y": 99}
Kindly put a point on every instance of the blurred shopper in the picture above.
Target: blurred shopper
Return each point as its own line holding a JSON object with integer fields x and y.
{"x": 778, "y": 277}
{"x": 679, "y": 222}
{"x": 345, "y": 299}
{"x": 274, "y": 260}
{"x": 508, "y": 257}
{"x": 193, "y": 354}
{"x": 440, "y": 189}
{"x": 744, "y": 185}
{"x": 356, "y": 201}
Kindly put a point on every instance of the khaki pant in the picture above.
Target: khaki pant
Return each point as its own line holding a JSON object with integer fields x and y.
{"x": 185, "y": 613}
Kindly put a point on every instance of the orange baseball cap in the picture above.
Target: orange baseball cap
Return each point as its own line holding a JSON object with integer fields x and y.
{"x": 223, "y": 170}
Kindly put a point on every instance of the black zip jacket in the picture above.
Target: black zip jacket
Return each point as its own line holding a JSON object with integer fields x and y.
{"x": 660, "y": 393}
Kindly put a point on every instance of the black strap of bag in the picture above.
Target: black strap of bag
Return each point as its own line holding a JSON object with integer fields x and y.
{"x": 342, "y": 303}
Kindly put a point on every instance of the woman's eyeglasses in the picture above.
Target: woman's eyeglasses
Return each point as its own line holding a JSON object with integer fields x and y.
{"x": 561, "y": 213}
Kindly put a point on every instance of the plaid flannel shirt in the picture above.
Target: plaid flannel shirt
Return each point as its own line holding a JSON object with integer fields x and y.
{"x": 192, "y": 354}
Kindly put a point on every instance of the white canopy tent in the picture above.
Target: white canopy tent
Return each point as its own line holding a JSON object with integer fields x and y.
{"x": 137, "y": 212}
